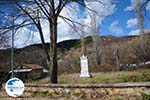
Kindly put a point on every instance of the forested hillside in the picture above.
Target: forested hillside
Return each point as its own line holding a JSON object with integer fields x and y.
{"x": 129, "y": 52}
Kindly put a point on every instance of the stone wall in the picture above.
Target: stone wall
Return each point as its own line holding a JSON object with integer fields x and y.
{"x": 120, "y": 91}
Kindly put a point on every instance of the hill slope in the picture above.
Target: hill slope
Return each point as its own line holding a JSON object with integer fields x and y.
{"x": 34, "y": 53}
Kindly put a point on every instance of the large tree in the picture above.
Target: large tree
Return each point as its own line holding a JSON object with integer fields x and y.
{"x": 96, "y": 39}
{"x": 97, "y": 17}
{"x": 38, "y": 10}
{"x": 35, "y": 11}
{"x": 141, "y": 8}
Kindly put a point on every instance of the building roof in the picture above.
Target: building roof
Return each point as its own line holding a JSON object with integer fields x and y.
{"x": 21, "y": 70}
{"x": 28, "y": 68}
{"x": 33, "y": 66}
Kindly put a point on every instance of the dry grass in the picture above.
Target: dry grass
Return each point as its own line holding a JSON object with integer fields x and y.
{"x": 141, "y": 75}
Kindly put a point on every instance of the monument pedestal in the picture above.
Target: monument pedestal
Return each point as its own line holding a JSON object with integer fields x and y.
{"x": 84, "y": 67}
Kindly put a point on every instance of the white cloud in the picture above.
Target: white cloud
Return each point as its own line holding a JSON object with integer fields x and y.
{"x": 129, "y": 8}
{"x": 105, "y": 8}
{"x": 115, "y": 28}
{"x": 132, "y": 22}
{"x": 134, "y": 32}
{"x": 148, "y": 6}
{"x": 24, "y": 37}
{"x": 133, "y": 5}
{"x": 27, "y": 36}
{"x": 64, "y": 30}
{"x": 137, "y": 32}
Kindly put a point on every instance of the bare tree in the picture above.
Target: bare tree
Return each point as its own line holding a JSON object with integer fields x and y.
{"x": 96, "y": 39}
{"x": 116, "y": 56}
{"x": 82, "y": 36}
{"x": 8, "y": 24}
{"x": 140, "y": 18}
{"x": 50, "y": 10}
{"x": 36, "y": 11}
{"x": 3, "y": 40}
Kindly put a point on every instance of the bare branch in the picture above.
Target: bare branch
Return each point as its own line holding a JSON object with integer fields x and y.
{"x": 72, "y": 25}
{"x": 60, "y": 6}
{"x": 42, "y": 8}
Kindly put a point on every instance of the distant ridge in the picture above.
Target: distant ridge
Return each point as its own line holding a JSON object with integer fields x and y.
{"x": 35, "y": 54}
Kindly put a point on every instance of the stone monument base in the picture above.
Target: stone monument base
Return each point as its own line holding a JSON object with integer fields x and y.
{"x": 85, "y": 75}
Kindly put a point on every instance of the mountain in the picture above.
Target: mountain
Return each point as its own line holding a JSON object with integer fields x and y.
{"x": 30, "y": 54}
{"x": 34, "y": 54}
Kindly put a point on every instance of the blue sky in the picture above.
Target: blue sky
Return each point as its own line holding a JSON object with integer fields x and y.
{"x": 120, "y": 18}
{"x": 119, "y": 15}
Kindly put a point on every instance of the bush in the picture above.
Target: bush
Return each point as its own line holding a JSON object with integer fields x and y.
{"x": 146, "y": 96}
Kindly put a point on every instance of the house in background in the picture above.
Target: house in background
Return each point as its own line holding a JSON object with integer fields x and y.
{"x": 29, "y": 71}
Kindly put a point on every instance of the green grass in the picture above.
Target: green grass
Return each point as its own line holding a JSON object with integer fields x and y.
{"x": 141, "y": 75}
{"x": 146, "y": 96}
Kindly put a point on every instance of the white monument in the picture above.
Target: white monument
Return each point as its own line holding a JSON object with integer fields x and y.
{"x": 84, "y": 67}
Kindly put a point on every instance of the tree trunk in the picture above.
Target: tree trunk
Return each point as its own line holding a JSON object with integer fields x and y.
{"x": 83, "y": 46}
{"x": 96, "y": 50}
{"x": 53, "y": 49}
{"x": 141, "y": 25}
{"x": 95, "y": 38}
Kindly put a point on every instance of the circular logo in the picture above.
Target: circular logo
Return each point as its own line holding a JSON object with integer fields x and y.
{"x": 14, "y": 87}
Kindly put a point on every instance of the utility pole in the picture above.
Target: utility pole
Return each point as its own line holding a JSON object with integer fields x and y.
{"x": 12, "y": 43}
{"x": 12, "y": 49}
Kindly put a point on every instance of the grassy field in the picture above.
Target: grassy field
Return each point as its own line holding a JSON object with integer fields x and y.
{"x": 142, "y": 75}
